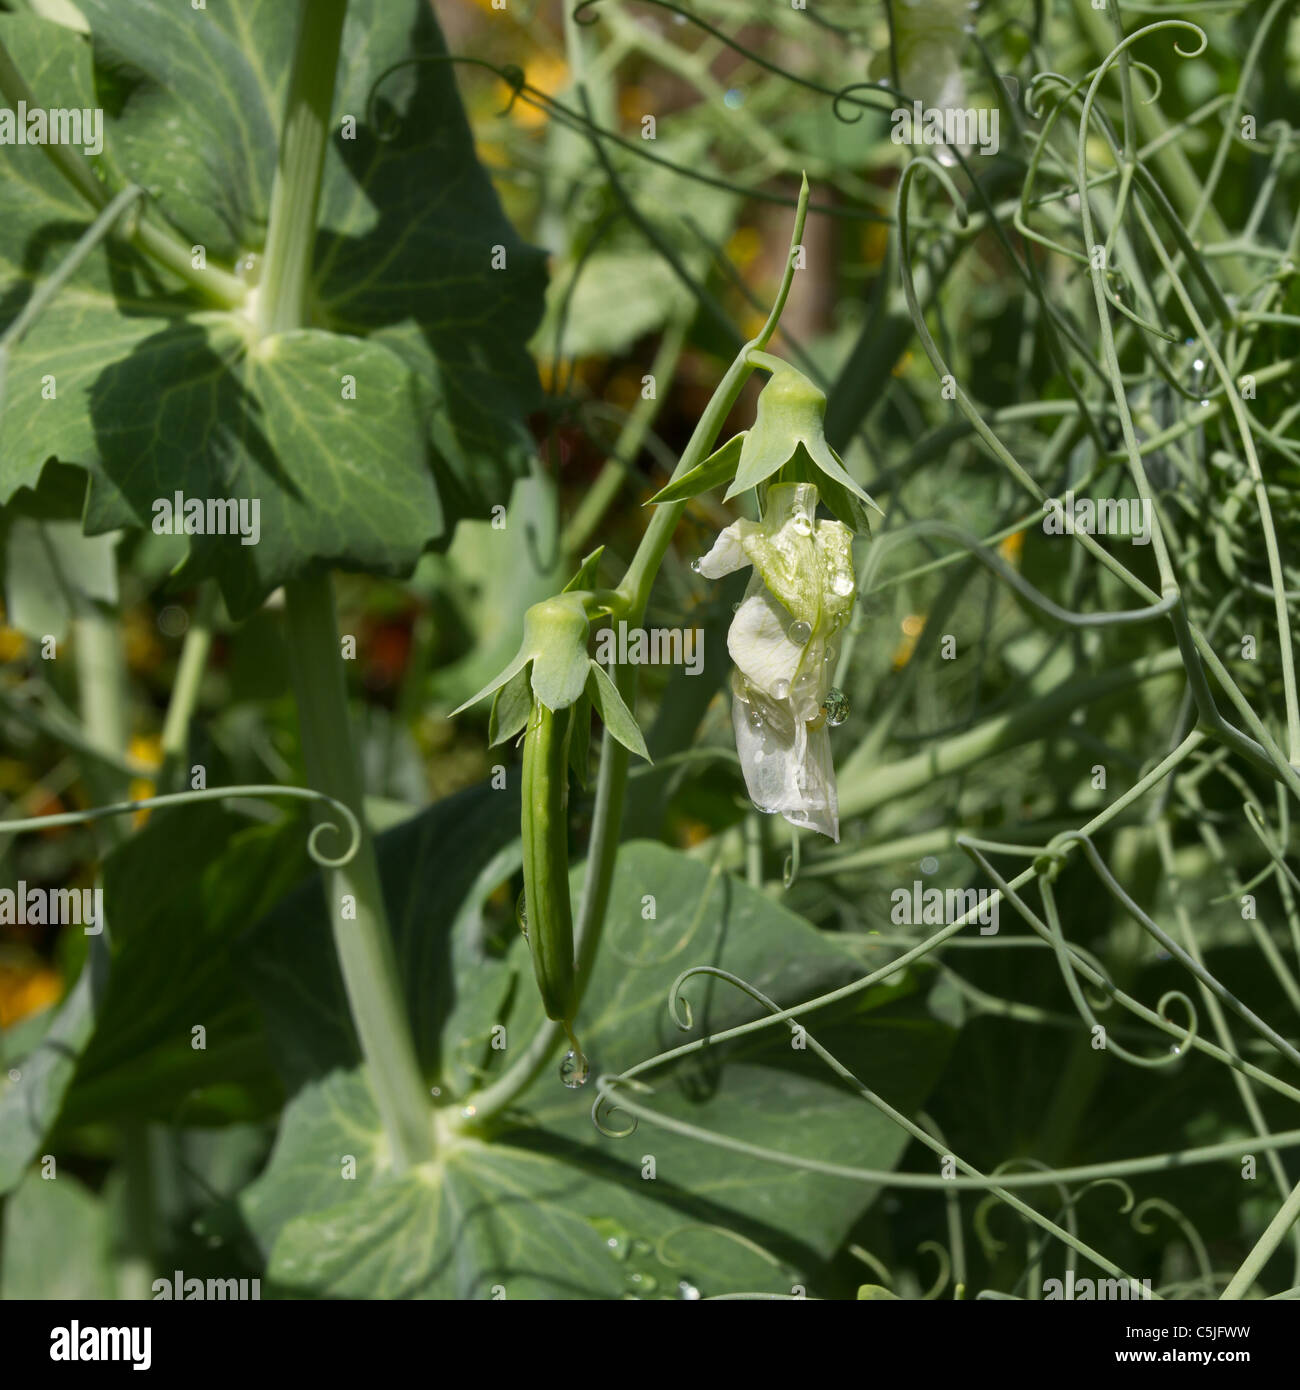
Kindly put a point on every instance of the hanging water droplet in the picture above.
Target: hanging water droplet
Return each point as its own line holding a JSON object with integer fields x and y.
{"x": 799, "y": 633}
{"x": 836, "y": 707}
{"x": 574, "y": 1070}
{"x": 734, "y": 99}
{"x": 780, "y": 689}
{"x": 695, "y": 565}
{"x": 521, "y": 913}
{"x": 687, "y": 1290}
{"x": 735, "y": 608}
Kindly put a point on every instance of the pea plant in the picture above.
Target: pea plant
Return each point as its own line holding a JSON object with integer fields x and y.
{"x": 646, "y": 650}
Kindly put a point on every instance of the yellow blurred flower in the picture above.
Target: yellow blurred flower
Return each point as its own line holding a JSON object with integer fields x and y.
{"x": 146, "y": 749}
{"x": 913, "y": 625}
{"x": 26, "y": 990}
{"x": 549, "y": 73}
{"x": 1011, "y": 548}
{"x": 13, "y": 644}
{"x": 743, "y": 246}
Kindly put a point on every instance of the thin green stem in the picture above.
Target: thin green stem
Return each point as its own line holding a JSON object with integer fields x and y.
{"x": 354, "y": 898}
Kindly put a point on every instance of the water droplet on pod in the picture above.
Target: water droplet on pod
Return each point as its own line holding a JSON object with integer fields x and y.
{"x": 799, "y": 633}
{"x": 574, "y": 1070}
{"x": 836, "y": 707}
{"x": 521, "y": 913}
{"x": 687, "y": 1290}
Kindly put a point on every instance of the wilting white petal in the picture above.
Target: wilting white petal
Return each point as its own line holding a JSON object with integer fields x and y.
{"x": 787, "y": 766}
{"x": 759, "y": 642}
{"x": 726, "y": 556}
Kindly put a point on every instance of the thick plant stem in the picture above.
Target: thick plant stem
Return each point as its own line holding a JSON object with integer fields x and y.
{"x": 353, "y": 893}
{"x": 363, "y": 942}
{"x": 291, "y": 232}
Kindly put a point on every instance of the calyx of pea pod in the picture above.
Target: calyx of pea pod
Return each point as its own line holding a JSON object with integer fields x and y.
{"x": 788, "y": 437}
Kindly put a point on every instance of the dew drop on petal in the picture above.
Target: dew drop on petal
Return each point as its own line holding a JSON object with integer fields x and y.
{"x": 836, "y": 707}
{"x": 574, "y": 1070}
{"x": 799, "y": 633}
{"x": 781, "y": 689}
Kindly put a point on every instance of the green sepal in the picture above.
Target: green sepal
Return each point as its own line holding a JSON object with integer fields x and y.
{"x": 615, "y": 715}
{"x": 510, "y": 709}
{"x": 557, "y": 630}
{"x": 792, "y": 412}
{"x": 586, "y": 575}
{"x": 718, "y": 468}
{"x": 555, "y": 642}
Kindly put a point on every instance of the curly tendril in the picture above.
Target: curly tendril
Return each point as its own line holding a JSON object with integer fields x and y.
{"x": 350, "y": 823}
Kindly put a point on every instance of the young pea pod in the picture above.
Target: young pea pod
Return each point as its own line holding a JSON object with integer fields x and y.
{"x": 548, "y": 914}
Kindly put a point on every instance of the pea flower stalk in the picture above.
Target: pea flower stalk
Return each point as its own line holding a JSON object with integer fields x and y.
{"x": 782, "y": 643}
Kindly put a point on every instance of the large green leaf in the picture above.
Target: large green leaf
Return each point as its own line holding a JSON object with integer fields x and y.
{"x": 56, "y": 1242}
{"x": 176, "y": 966}
{"x": 421, "y": 292}
{"x": 542, "y": 1179}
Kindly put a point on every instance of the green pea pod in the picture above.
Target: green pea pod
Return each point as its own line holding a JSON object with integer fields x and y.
{"x": 546, "y": 858}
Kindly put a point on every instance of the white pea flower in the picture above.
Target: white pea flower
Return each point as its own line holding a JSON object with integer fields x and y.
{"x": 781, "y": 641}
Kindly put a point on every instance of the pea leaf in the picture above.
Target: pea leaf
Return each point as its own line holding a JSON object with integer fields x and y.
{"x": 540, "y": 1205}
{"x": 420, "y": 292}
